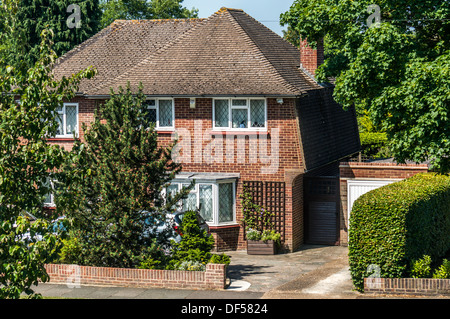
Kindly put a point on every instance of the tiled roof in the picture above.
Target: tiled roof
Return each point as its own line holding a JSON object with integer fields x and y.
{"x": 229, "y": 53}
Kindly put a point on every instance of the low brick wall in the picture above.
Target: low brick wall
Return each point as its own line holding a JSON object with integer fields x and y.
{"x": 213, "y": 278}
{"x": 413, "y": 286}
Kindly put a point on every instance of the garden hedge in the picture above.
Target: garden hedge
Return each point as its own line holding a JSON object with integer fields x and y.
{"x": 394, "y": 225}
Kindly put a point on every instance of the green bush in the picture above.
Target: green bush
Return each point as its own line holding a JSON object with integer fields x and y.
{"x": 392, "y": 226}
{"x": 195, "y": 245}
{"x": 220, "y": 259}
{"x": 191, "y": 265}
{"x": 421, "y": 268}
{"x": 443, "y": 272}
{"x": 70, "y": 251}
{"x": 374, "y": 144}
{"x": 265, "y": 235}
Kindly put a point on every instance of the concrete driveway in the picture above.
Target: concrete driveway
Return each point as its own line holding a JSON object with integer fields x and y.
{"x": 311, "y": 272}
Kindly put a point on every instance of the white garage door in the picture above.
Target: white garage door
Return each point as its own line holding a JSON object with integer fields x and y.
{"x": 356, "y": 188}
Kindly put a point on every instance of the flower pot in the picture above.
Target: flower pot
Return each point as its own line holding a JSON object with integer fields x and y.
{"x": 259, "y": 247}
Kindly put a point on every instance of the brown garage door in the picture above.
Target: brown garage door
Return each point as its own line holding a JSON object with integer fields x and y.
{"x": 321, "y": 210}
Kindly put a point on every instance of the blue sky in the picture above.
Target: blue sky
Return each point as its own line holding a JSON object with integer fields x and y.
{"x": 265, "y": 11}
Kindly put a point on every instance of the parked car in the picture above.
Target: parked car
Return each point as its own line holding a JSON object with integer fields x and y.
{"x": 56, "y": 227}
{"x": 173, "y": 225}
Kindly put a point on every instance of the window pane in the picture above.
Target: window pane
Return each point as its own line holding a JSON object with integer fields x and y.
{"x": 257, "y": 113}
{"x": 206, "y": 202}
{"x": 190, "y": 203}
{"x": 150, "y": 116}
{"x": 48, "y": 199}
{"x": 165, "y": 113}
{"x": 239, "y": 102}
{"x": 59, "y": 118}
{"x": 239, "y": 118}
{"x": 150, "y": 103}
{"x": 225, "y": 202}
{"x": 221, "y": 113}
{"x": 172, "y": 190}
{"x": 71, "y": 119}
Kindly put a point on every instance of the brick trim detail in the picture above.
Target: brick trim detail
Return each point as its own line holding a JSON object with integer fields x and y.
{"x": 213, "y": 278}
{"x": 418, "y": 286}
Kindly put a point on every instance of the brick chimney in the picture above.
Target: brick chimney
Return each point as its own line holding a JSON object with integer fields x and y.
{"x": 311, "y": 59}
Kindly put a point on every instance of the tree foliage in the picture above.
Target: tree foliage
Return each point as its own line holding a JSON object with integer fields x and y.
{"x": 397, "y": 69}
{"x": 28, "y": 100}
{"x": 33, "y": 16}
{"x": 114, "y": 181}
{"x": 144, "y": 9}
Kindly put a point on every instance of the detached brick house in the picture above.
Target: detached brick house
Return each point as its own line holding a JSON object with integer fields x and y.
{"x": 245, "y": 107}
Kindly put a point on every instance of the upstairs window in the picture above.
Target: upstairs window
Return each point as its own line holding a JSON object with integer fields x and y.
{"x": 67, "y": 117}
{"x": 160, "y": 112}
{"x": 240, "y": 114}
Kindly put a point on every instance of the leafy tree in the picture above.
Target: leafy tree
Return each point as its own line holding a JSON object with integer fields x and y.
{"x": 397, "y": 69}
{"x": 115, "y": 181}
{"x": 28, "y": 100}
{"x": 144, "y": 9}
{"x": 33, "y": 16}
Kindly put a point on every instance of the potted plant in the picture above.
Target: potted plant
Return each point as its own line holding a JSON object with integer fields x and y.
{"x": 264, "y": 242}
{"x": 257, "y": 222}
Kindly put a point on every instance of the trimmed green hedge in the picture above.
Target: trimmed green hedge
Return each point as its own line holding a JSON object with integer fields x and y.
{"x": 374, "y": 144}
{"x": 394, "y": 225}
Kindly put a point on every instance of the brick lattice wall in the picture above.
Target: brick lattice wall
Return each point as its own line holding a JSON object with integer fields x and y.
{"x": 422, "y": 286}
{"x": 213, "y": 278}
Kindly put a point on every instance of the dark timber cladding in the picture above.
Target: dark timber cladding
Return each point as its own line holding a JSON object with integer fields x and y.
{"x": 328, "y": 132}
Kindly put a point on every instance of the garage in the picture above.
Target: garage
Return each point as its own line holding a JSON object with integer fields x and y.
{"x": 358, "y": 178}
{"x": 356, "y": 188}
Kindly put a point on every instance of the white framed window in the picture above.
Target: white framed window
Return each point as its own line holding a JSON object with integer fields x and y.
{"x": 67, "y": 117}
{"x": 216, "y": 200}
{"x": 161, "y": 112}
{"x": 240, "y": 114}
{"x": 49, "y": 199}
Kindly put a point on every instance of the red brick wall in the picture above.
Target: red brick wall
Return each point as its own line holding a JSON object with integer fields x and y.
{"x": 368, "y": 171}
{"x": 213, "y": 278}
{"x": 407, "y": 286}
{"x": 245, "y": 160}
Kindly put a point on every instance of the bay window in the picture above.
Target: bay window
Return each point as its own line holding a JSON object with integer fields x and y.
{"x": 215, "y": 198}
